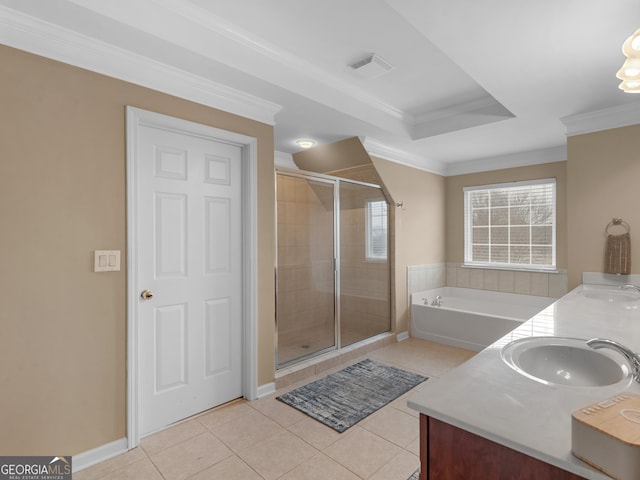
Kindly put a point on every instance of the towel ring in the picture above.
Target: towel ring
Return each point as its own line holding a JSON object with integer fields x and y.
{"x": 616, "y": 222}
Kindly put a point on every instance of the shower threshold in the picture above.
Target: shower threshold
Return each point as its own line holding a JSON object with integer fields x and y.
{"x": 321, "y": 363}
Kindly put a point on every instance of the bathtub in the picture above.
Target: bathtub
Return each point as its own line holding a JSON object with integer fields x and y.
{"x": 470, "y": 318}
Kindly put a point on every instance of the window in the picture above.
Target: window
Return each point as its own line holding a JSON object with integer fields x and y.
{"x": 376, "y": 229}
{"x": 511, "y": 225}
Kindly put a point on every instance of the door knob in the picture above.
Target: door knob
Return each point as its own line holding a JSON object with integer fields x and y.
{"x": 146, "y": 294}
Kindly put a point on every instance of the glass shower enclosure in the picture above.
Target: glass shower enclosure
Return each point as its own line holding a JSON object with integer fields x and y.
{"x": 332, "y": 269}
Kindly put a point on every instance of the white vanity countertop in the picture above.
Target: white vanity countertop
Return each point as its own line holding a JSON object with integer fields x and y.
{"x": 486, "y": 397}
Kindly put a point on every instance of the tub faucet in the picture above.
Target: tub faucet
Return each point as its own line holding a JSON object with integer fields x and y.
{"x": 632, "y": 358}
{"x": 436, "y": 302}
{"x": 630, "y": 286}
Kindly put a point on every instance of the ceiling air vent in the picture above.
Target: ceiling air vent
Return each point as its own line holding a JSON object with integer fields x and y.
{"x": 372, "y": 66}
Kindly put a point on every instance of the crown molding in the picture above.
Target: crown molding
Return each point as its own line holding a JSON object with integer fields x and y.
{"x": 402, "y": 157}
{"x": 605, "y": 119}
{"x": 244, "y": 51}
{"x": 33, "y": 35}
{"x": 306, "y": 70}
{"x": 520, "y": 159}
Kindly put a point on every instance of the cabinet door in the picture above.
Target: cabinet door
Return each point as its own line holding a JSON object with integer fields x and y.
{"x": 450, "y": 453}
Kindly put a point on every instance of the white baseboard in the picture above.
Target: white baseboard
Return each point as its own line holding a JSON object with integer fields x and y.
{"x": 99, "y": 454}
{"x": 266, "y": 389}
{"x": 402, "y": 336}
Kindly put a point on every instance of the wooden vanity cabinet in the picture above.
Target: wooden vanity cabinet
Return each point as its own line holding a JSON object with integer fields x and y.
{"x": 451, "y": 453}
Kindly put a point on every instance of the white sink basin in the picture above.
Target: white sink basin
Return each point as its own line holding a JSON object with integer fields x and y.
{"x": 563, "y": 361}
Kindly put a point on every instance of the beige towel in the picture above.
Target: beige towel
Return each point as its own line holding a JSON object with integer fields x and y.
{"x": 617, "y": 257}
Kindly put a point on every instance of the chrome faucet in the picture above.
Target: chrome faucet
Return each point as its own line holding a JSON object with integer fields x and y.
{"x": 436, "y": 302}
{"x": 630, "y": 286}
{"x": 632, "y": 358}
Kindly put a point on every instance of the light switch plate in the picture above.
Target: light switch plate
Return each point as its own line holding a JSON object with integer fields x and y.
{"x": 106, "y": 261}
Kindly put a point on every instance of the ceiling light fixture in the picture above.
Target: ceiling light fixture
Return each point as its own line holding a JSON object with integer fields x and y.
{"x": 305, "y": 143}
{"x": 630, "y": 71}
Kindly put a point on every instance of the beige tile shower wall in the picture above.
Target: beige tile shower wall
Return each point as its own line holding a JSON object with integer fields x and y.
{"x": 305, "y": 253}
{"x": 360, "y": 277}
{"x": 362, "y": 317}
{"x": 305, "y": 268}
{"x": 508, "y": 281}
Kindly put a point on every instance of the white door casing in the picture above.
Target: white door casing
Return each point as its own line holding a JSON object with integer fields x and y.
{"x": 191, "y": 232}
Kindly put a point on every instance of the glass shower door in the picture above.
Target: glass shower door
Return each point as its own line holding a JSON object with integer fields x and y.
{"x": 305, "y": 280}
{"x": 365, "y": 304}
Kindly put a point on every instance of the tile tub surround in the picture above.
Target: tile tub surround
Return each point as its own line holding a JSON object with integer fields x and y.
{"x": 265, "y": 439}
{"x": 426, "y": 277}
{"x": 497, "y": 403}
{"x": 541, "y": 284}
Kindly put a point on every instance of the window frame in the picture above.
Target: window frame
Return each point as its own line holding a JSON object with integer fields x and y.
{"x": 369, "y": 256}
{"x": 468, "y": 218}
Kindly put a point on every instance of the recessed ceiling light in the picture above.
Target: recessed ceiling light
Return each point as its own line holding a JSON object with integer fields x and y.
{"x": 305, "y": 143}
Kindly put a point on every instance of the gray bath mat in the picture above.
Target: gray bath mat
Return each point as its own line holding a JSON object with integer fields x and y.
{"x": 342, "y": 399}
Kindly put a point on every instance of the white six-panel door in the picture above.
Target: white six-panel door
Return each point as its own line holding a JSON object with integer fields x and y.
{"x": 189, "y": 197}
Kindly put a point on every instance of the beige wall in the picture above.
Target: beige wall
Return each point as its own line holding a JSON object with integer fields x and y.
{"x": 62, "y": 187}
{"x": 455, "y": 203}
{"x": 603, "y": 183}
{"x": 419, "y": 224}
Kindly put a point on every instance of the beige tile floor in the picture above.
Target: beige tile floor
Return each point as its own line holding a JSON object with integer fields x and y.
{"x": 266, "y": 439}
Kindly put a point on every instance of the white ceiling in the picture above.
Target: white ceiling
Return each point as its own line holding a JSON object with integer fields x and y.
{"x": 476, "y": 84}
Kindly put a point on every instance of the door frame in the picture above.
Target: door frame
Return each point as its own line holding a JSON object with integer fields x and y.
{"x": 136, "y": 117}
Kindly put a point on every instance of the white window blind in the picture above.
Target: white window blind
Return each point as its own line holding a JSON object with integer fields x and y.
{"x": 511, "y": 225}
{"x": 376, "y": 229}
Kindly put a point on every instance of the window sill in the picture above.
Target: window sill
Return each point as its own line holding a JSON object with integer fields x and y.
{"x": 375, "y": 260}
{"x": 511, "y": 268}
